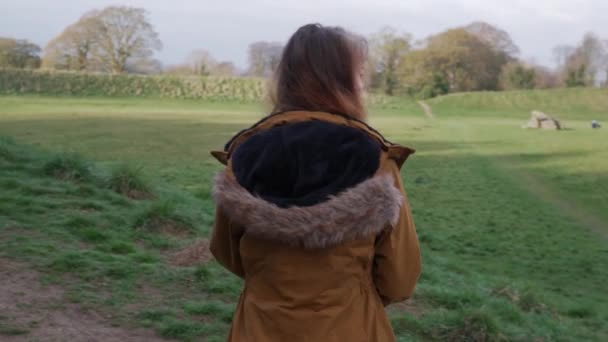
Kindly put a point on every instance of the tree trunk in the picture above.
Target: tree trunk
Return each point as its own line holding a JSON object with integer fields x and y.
{"x": 82, "y": 61}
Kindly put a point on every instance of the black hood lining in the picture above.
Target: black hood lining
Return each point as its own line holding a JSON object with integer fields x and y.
{"x": 304, "y": 163}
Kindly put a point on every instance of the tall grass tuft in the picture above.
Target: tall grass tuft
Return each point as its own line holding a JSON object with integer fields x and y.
{"x": 7, "y": 146}
{"x": 163, "y": 217}
{"x": 68, "y": 166}
{"x": 130, "y": 181}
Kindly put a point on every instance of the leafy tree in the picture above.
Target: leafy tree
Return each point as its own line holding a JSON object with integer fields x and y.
{"x": 517, "y": 76}
{"x": 73, "y": 47}
{"x": 436, "y": 87}
{"x": 20, "y": 54}
{"x": 387, "y": 50}
{"x": 497, "y": 38}
{"x": 456, "y": 59}
{"x": 116, "y": 39}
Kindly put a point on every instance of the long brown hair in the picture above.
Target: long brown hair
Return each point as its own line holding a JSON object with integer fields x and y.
{"x": 318, "y": 71}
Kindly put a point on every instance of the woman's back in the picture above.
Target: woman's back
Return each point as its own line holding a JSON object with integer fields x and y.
{"x": 311, "y": 210}
{"x": 311, "y": 215}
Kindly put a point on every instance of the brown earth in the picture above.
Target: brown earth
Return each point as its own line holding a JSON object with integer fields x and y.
{"x": 197, "y": 253}
{"x": 32, "y": 311}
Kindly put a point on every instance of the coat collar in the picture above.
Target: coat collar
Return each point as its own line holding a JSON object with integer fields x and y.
{"x": 396, "y": 152}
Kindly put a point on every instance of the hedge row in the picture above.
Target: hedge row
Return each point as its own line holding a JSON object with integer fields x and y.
{"x": 63, "y": 83}
{"x": 42, "y": 82}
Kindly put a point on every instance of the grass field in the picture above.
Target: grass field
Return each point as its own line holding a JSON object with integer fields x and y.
{"x": 513, "y": 223}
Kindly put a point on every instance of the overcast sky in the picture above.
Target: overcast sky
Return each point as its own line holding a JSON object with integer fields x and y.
{"x": 226, "y": 27}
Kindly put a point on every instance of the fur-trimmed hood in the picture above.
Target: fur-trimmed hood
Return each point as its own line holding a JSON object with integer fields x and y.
{"x": 309, "y": 179}
{"x": 361, "y": 211}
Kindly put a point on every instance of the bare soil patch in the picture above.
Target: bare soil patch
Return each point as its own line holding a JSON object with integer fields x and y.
{"x": 410, "y": 306}
{"x": 197, "y": 253}
{"x": 32, "y": 311}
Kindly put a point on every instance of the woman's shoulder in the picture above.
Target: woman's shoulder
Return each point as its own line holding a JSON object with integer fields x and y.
{"x": 316, "y": 126}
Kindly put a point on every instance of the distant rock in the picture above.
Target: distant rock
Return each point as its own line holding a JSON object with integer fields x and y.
{"x": 542, "y": 120}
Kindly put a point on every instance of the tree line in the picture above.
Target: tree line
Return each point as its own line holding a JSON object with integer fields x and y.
{"x": 478, "y": 56}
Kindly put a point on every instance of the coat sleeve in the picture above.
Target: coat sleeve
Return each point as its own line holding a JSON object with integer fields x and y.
{"x": 397, "y": 261}
{"x": 225, "y": 243}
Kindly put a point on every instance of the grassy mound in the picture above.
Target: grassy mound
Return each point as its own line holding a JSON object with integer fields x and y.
{"x": 574, "y": 103}
{"x": 59, "y": 215}
{"x": 510, "y": 220}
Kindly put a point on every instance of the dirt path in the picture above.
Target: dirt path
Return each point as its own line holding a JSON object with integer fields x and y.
{"x": 565, "y": 206}
{"x": 30, "y": 311}
{"x": 535, "y": 185}
{"x": 428, "y": 111}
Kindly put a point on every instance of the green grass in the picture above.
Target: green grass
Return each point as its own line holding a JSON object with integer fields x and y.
{"x": 129, "y": 181}
{"x": 512, "y": 222}
{"x": 577, "y": 103}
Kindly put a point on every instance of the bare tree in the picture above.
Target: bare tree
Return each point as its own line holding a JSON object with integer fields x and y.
{"x": 124, "y": 35}
{"x": 546, "y": 78}
{"x": 596, "y": 54}
{"x": 178, "y": 69}
{"x": 587, "y": 64}
{"x": 72, "y": 48}
{"x": 497, "y": 38}
{"x": 606, "y": 64}
{"x": 388, "y": 47}
{"x": 146, "y": 66}
{"x": 200, "y": 62}
{"x": 224, "y": 69}
{"x": 561, "y": 53}
{"x": 264, "y": 57}
{"x": 17, "y": 53}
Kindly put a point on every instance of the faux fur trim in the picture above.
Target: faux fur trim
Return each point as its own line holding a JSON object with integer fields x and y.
{"x": 361, "y": 211}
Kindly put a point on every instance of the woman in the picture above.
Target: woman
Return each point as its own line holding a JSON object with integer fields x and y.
{"x": 311, "y": 211}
